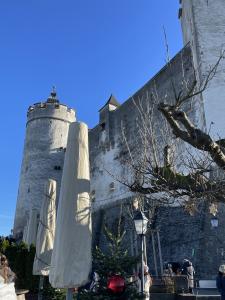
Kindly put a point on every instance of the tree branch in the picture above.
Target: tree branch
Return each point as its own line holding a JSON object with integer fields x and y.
{"x": 192, "y": 135}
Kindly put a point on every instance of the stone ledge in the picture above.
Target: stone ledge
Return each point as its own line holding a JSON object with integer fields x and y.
{"x": 162, "y": 296}
{"x": 197, "y": 297}
{"x": 167, "y": 296}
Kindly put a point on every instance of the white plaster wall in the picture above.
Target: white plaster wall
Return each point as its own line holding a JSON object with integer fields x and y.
{"x": 203, "y": 24}
{"x": 104, "y": 164}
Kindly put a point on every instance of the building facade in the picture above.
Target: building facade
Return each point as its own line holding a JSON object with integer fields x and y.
{"x": 118, "y": 138}
{"x": 203, "y": 26}
{"x": 43, "y": 155}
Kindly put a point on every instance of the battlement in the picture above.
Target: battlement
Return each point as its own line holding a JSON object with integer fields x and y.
{"x": 48, "y": 105}
{"x": 51, "y": 108}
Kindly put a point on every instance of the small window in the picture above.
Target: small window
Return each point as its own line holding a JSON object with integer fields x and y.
{"x": 28, "y": 190}
{"x": 180, "y": 13}
{"x": 102, "y": 126}
{"x": 57, "y": 168}
{"x": 92, "y": 196}
{"x": 57, "y": 106}
{"x": 112, "y": 186}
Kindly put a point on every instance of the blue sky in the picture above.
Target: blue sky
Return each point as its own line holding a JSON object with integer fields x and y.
{"x": 88, "y": 49}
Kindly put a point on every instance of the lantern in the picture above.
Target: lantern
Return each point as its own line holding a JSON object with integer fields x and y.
{"x": 214, "y": 222}
{"x": 141, "y": 223}
{"x": 141, "y": 226}
{"x": 116, "y": 284}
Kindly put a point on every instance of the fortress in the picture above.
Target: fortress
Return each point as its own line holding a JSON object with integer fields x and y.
{"x": 203, "y": 27}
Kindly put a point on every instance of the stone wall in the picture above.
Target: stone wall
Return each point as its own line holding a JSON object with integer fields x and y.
{"x": 109, "y": 150}
{"x": 181, "y": 236}
{"x": 43, "y": 156}
{"x": 203, "y": 25}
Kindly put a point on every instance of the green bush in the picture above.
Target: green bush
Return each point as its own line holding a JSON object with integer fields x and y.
{"x": 115, "y": 260}
{"x": 49, "y": 293}
{"x": 21, "y": 262}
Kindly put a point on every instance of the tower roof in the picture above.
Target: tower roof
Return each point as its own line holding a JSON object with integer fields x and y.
{"x": 112, "y": 100}
{"x": 53, "y": 96}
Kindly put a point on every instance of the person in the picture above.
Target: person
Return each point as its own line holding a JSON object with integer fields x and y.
{"x": 188, "y": 270}
{"x": 91, "y": 285}
{"x": 147, "y": 282}
{"x": 168, "y": 270}
{"x": 220, "y": 281}
{"x": 7, "y": 289}
{"x": 95, "y": 282}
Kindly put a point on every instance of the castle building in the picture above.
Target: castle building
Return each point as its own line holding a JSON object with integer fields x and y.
{"x": 117, "y": 139}
{"x": 43, "y": 155}
{"x": 203, "y": 26}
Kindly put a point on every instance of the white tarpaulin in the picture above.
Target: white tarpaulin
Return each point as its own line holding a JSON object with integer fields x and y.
{"x": 71, "y": 257}
{"x": 46, "y": 230}
{"x": 32, "y": 227}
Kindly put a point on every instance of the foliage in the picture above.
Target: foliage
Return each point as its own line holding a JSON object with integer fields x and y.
{"x": 49, "y": 293}
{"x": 4, "y": 243}
{"x": 115, "y": 260}
{"x": 21, "y": 262}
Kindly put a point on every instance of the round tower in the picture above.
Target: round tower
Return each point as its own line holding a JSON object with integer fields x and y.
{"x": 43, "y": 156}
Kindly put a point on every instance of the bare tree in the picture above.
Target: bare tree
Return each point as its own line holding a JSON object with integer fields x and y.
{"x": 184, "y": 128}
{"x": 153, "y": 161}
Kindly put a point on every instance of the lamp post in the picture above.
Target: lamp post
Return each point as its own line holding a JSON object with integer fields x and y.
{"x": 141, "y": 222}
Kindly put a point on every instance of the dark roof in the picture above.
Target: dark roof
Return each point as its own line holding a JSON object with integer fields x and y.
{"x": 53, "y": 96}
{"x": 112, "y": 100}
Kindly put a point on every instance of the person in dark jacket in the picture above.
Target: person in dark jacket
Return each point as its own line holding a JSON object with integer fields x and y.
{"x": 220, "y": 281}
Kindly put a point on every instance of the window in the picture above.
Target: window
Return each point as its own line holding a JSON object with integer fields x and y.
{"x": 57, "y": 168}
{"x": 102, "y": 126}
{"x": 112, "y": 186}
{"x": 92, "y": 196}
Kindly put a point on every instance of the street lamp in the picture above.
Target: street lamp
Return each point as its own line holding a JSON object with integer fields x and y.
{"x": 214, "y": 222}
{"x": 141, "y": 222}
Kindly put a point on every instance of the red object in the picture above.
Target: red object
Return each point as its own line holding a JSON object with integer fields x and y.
{"x": 116, "y": 284}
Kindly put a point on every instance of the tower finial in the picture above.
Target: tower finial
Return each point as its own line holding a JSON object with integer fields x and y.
{"x": 53, "y": 92}
{"x": 53, "y": 96}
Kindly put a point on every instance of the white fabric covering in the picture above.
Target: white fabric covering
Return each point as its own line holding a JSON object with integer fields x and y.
{"x": 32, "y": 227}
{"x": 46, "y": 230}
{"x": 7, "y": 290}
{"x": 71, "y": 257}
